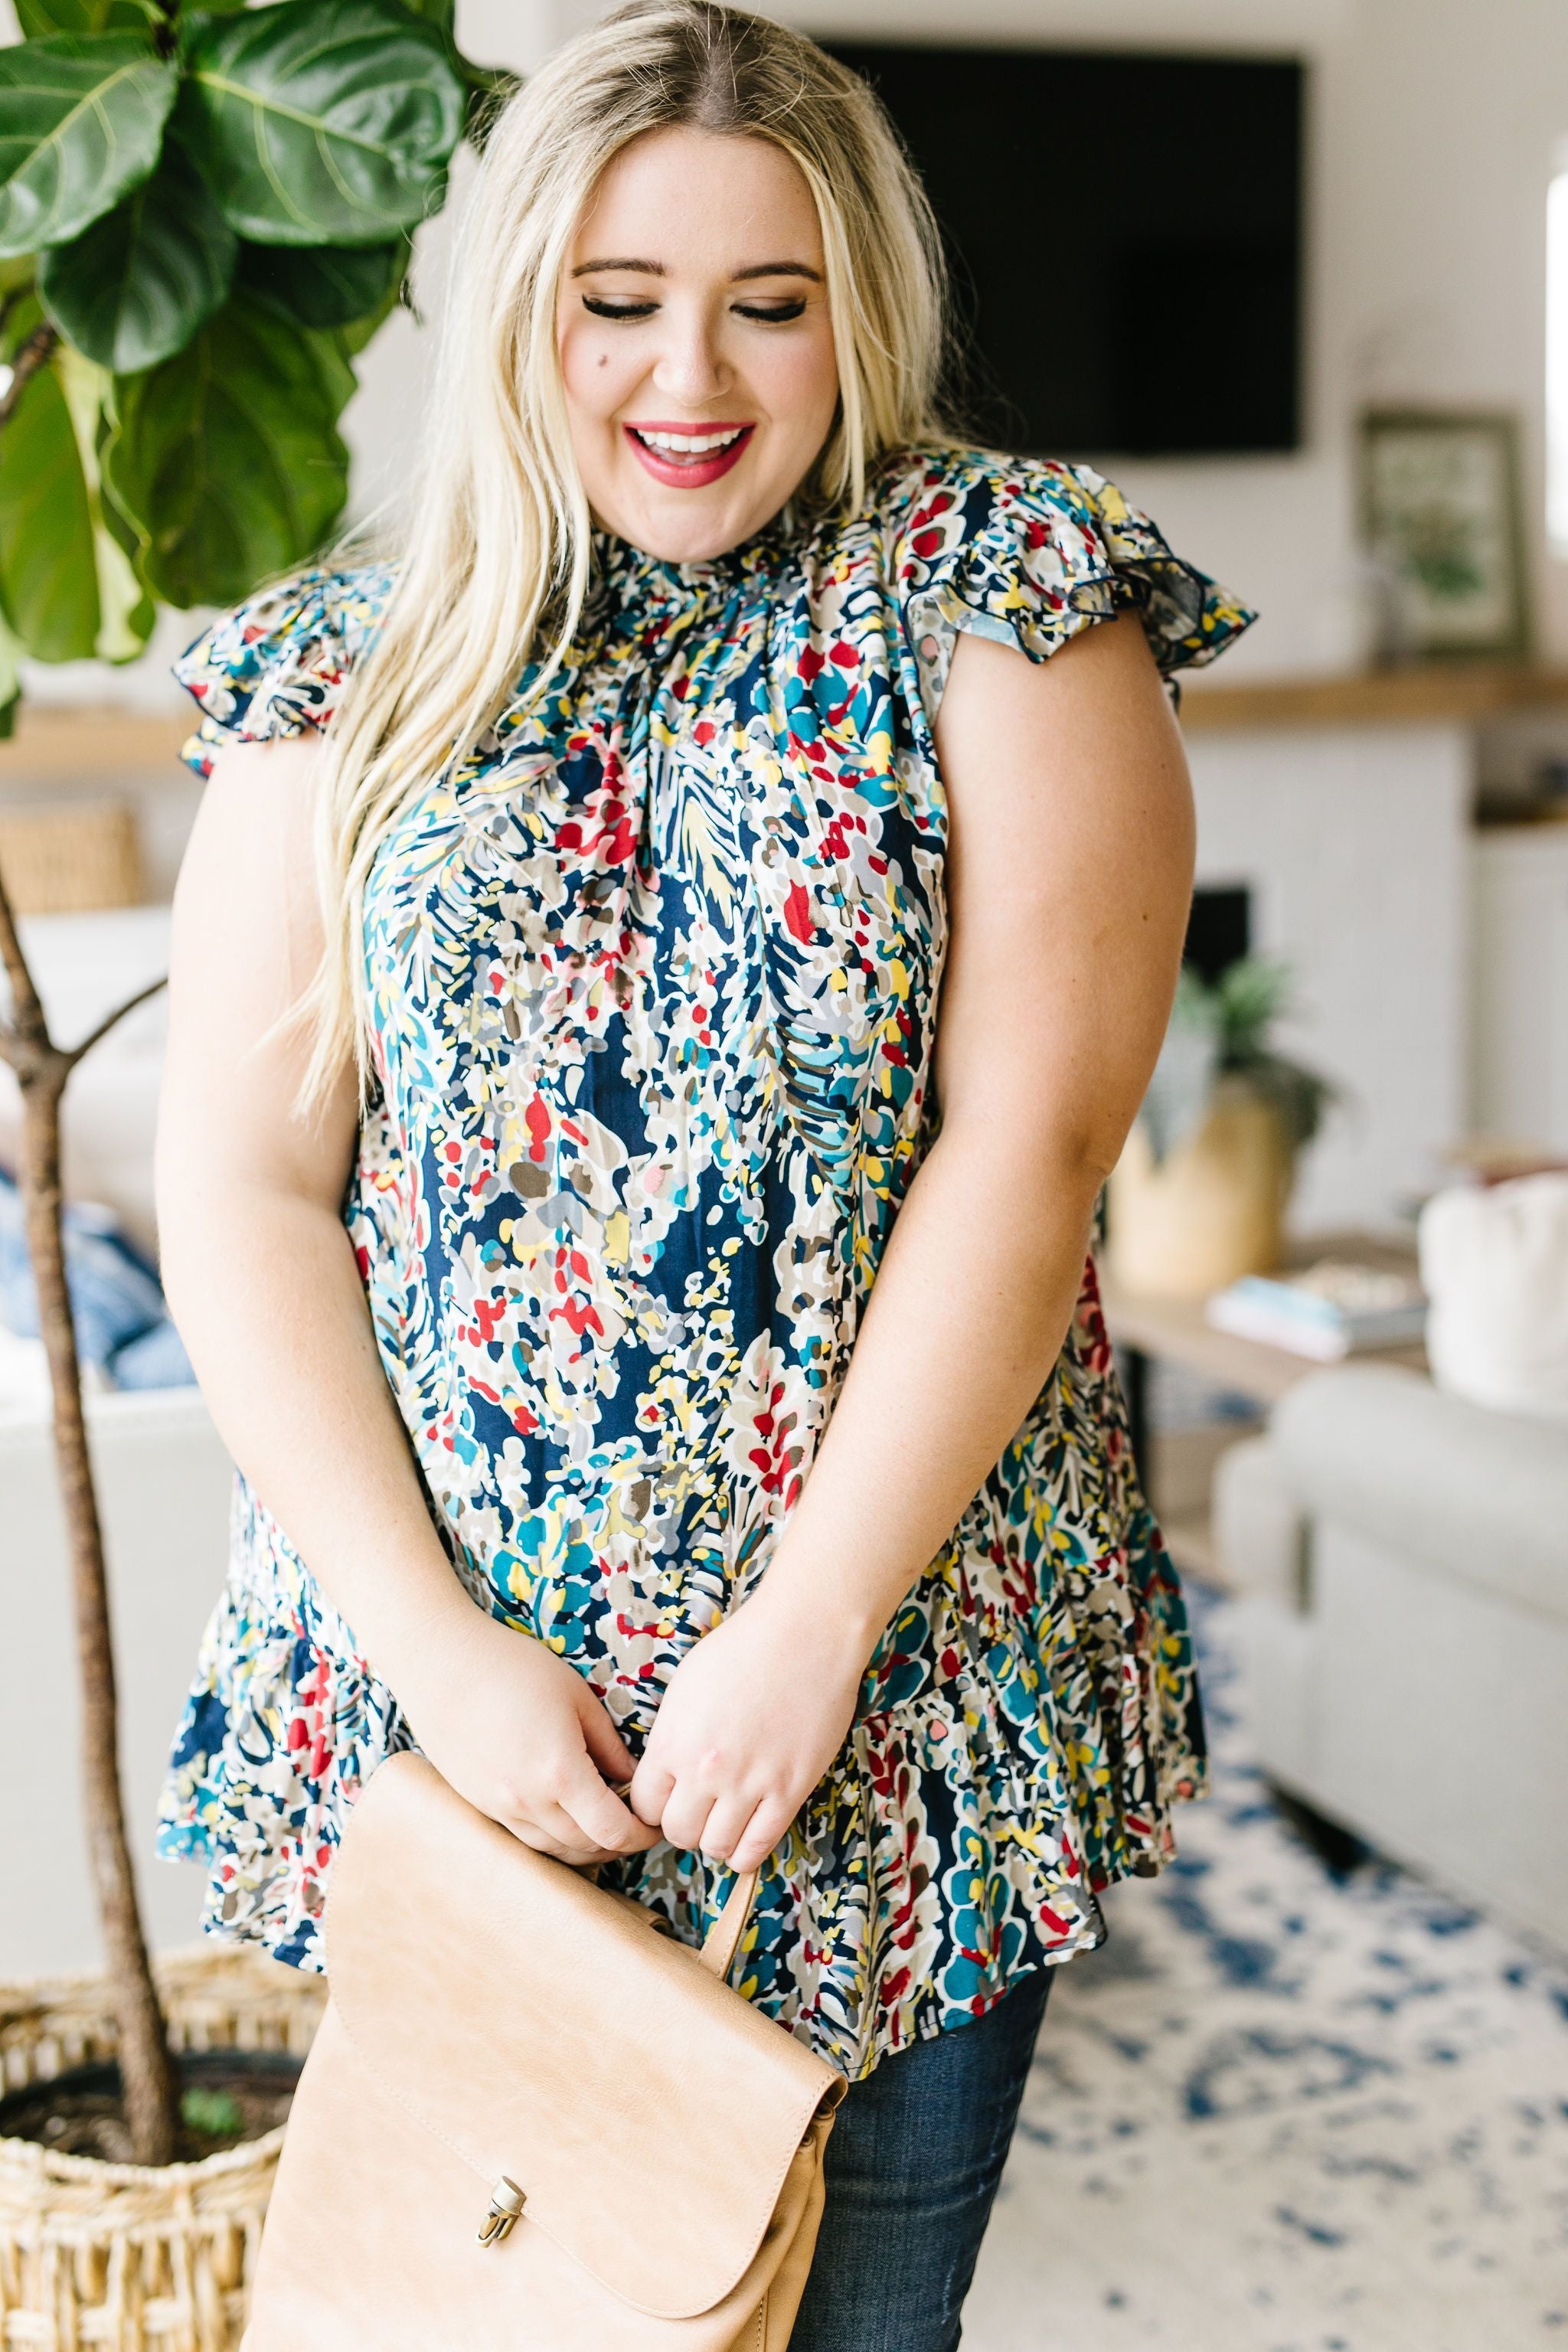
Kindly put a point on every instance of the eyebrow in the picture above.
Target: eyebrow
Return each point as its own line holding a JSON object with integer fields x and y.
{"x": 658, "y": 269}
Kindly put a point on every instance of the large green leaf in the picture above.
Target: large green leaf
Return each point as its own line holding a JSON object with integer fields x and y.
{"x": 125, "y": 611}
{"x": 39, "y": 17}
{"x": 335, "y": 365}
{"x": 48, "y": 579}
{"x": 321, "y": 126}
{"x": 80, "y": 124}
{"x": 10, "y": 682}
{"x": 133, "y": 289}
{"x": 226, "y": 458}
{"x": 358, "y": 332}
{"x": 324, "y": 285}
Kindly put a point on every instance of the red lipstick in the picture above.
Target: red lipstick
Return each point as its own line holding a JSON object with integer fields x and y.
{"x": 688, "y": 470}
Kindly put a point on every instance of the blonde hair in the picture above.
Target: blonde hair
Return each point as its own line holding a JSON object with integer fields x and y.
{"x": 496, "y": 554}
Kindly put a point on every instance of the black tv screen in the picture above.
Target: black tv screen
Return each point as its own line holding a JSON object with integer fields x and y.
{"x": 1124, "y": 232}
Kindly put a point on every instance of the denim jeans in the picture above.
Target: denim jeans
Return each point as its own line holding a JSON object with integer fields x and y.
{"x": 912, "y": 2170}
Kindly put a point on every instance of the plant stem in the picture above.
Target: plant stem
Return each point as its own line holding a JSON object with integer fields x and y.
{"x": 37, "y": 349}
{"x": 147, "y": 2072}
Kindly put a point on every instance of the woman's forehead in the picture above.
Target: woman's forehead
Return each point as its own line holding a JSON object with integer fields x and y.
{"x": 738, "y": 204}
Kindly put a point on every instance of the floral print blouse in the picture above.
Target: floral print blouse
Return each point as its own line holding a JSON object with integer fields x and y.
{"x": 654, "y": 980}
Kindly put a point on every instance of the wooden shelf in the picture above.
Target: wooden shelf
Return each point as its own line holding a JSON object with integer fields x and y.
{"x": 94, "y": 743}
{"x": 100, "y": 742}
{"x": 1448, "y": 693}
{"x": 1176, "y": 1329}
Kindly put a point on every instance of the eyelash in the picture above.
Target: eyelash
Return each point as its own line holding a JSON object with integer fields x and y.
{"x": 778, "y": 316}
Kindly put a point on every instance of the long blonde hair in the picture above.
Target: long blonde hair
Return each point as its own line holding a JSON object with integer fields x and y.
{"x": 496, "y": 553}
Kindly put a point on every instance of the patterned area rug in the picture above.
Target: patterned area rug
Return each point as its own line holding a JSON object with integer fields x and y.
{"x": 1286, "y": 2111}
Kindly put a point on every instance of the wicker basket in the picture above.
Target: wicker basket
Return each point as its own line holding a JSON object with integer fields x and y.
{"x": 70, "y": 858}
{"x": 118, "y": 2255}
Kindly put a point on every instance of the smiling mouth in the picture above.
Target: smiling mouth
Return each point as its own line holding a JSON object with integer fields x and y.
{"x": 686, "y": 456}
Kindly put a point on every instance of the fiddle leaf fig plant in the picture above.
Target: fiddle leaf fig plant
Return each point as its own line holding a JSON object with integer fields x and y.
{"x": 204, "y": 216}
{"x": 1221, "y": 1029}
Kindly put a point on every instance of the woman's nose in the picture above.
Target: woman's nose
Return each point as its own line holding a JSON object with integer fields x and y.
{"x": 690, "y": 369}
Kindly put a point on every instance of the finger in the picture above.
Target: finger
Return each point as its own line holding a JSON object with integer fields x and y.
{"x": 599, "y": 1814}
{"x": 725, "y": 1825}
{"x": 539, "y": 1840}
{"x": 761, "y": 1835}
{"x": 685, "y": 1818}
{"x": 651, "y": 1789}
{"x": 549, "y": 1828}
{"x": 608, "y": 1749}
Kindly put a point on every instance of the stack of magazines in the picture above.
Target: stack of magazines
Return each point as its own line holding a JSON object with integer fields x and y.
{"x": 1329, "y": 1311}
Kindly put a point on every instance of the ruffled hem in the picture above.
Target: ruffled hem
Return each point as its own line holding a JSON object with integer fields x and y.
{"x": 953, "y": 1849}
{"x": 284, "y": 1723}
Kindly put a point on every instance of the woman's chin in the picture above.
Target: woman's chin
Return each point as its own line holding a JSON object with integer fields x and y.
{"x": 681, "y": 526}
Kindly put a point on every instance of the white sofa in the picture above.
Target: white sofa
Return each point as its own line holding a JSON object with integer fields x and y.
{"x": 164, "y": 1481}
{"x": 83, "y": 965}
{"x": 1404, "y": 1556}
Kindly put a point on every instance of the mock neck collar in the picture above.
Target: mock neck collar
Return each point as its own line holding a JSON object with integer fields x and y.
{"x": 630, "y": 580}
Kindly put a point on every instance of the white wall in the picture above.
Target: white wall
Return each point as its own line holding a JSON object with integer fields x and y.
{"x": 1432, "y": 130}
{"x": 1354, "y": 844}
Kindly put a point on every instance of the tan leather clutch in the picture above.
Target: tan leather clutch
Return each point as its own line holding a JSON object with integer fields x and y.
{"x": 530, "y": 2122}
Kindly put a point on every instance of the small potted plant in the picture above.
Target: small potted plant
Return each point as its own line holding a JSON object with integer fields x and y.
{"x": 203, "y": 217}
{"x": 1200, "y": 1193}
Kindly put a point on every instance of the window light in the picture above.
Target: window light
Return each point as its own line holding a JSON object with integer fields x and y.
{"x": 1557, "y": 358}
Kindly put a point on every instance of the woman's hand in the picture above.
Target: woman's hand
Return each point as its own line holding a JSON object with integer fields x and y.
{"x": 517, "y": 1732}
{"x": 751, "y": 1721}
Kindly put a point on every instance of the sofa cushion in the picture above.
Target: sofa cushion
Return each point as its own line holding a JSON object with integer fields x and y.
{"x": 83, "y": 966}
{"x": 1495, "y": 1265}
{"x": 1468, "y": 1492}
{"x": 1260, "y": 1533}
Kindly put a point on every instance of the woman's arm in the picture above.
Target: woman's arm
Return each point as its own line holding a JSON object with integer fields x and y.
{"x": 262, "y": 1281}
{"x": 1069, "y": 875}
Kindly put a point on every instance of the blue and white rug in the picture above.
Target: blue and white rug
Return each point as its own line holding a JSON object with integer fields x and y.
{"x": 1286, "y": 2111}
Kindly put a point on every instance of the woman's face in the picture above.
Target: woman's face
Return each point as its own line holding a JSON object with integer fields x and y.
{"x": 695, "y": 343}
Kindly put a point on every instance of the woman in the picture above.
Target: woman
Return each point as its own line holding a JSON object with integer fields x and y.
{"x": 621, "y": 837}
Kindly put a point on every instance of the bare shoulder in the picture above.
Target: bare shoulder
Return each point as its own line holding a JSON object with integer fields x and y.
{"x": 247, "y": 903}
{"x": 1070, "y": 840}
{"x": 1082, "y": 747}
{"x": 254, "y": 833}
{"x": 248, "y": 934}
{"x": 1106, "y": 675}
{"x": 270, "y": 780}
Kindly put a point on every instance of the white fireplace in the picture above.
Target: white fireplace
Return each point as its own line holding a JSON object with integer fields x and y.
{"x": 1354, "y": 841}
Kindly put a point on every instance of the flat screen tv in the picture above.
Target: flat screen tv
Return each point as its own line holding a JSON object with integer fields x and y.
{"x": 1124, "y": 232}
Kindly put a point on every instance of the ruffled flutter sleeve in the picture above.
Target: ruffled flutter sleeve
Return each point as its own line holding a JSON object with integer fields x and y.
{"x": 1029, "y": 551}
{"x": 275, "y": 664}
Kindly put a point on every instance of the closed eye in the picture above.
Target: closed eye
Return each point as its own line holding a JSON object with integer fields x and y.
{"x": 769, "y": 314}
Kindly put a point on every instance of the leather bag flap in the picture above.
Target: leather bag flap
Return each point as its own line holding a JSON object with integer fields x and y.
{"x": 547, "y": 2032}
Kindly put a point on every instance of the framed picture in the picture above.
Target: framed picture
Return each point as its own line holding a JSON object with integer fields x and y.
{"x": 1442, "y": 521}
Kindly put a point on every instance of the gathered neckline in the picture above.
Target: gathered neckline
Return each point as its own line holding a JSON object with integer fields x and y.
{"x": 626, "y": 578}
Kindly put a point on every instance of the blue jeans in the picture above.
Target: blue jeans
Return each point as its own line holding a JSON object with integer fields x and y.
{"x": 913, "y": 2167}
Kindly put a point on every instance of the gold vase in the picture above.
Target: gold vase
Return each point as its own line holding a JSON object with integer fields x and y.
{"x": 1212, "y": 1210}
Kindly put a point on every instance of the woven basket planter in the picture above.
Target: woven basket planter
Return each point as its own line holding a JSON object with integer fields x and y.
{"x": 122, "y": 2256}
